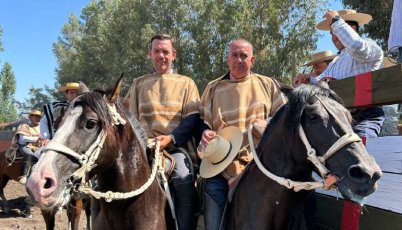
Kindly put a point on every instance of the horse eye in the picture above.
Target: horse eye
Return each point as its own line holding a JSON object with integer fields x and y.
{"x": 91, "y": 124}
{"x": 312, "y": 117}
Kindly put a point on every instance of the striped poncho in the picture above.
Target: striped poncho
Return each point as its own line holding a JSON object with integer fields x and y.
{"x": 238, "y": 103}
{"x": 161, "y": 102}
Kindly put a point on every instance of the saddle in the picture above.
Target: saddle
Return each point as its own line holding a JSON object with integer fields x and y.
{"x": 12, "y": 154}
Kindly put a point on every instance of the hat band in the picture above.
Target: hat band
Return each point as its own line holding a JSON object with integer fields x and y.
{"x": 226, "y": 156}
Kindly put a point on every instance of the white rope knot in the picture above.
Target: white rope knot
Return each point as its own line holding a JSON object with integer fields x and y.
{"x": 109, "y": 196}
{"x": 117, "y": 118}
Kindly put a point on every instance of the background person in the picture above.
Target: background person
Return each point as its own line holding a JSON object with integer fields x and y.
{"x": 356, "y": 56}
{"x": 319, "y": 62}
{"x": 29, "y": 140}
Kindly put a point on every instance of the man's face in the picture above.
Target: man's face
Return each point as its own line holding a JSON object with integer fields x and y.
{"x": 319, "y": 67}
{"x": 240, "y": 59}
{"x": 338, "y": 44}
{"x": 70, "y": 94}
{"x": 162, "y": 55}
{"x": 34, "y": 119}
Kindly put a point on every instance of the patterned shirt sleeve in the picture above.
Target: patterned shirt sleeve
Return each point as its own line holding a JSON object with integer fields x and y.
{"x": 364, "y": 50}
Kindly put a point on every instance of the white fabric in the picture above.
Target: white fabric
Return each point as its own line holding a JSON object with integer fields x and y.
{"x": 395, "y": 34}
{"x": 23, "y": 140}
{"x": 359, "y": 55}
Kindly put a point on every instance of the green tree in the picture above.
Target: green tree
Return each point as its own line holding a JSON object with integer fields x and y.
{"x": 112, "y": 37}
{"x": 7, "y": 90}
{"x": 378, "y": 28}
{"x": 36, "y": 99}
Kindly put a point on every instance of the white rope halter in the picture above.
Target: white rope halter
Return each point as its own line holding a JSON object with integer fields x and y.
{"x": 318, "y": 161}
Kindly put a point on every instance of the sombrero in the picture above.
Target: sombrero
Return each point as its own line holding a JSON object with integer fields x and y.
{"x": 35, "y": 112}
{"x": 68, "y": 86}
{"x": 347, "y": 15}
{"x": 221, "y": 151}
{"x": 321, "y": 56}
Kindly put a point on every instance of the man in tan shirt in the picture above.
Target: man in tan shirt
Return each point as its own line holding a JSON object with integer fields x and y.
{"x": 240, "y": 98}
{"x": 166, "y": 105}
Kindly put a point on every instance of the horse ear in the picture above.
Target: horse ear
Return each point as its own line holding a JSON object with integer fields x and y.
{"x": 323, "y": 83}
{"x": 117, "y": 89}
{"x": 82, "y": 88}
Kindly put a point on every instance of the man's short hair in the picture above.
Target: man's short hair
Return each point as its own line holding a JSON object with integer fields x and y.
{"x": 353, "y": 23}
{"x": 241, "y": 40}
{"x": 161, "y": 37}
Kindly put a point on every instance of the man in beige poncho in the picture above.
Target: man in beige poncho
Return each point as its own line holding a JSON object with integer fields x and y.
{"x": 240, "y": 98}
{"x": 166, "y": 105}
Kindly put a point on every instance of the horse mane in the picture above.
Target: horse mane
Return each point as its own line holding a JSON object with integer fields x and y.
{"x": 298, "y": 98}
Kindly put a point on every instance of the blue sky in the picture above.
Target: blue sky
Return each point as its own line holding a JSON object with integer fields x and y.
{"x": 31, "y": 27}
{"x": 29, "y": 30}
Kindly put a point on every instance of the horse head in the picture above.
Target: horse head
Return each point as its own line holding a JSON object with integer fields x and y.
{"x": 316, "y": 116}
{"x": 316, "y": 134}
{"x": 89, "y": 140}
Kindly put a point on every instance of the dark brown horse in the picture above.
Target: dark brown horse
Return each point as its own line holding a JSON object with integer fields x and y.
{"x": 98, "y": 128}
{"x": 10, "y": 171}
{"x": 261, "y": 203}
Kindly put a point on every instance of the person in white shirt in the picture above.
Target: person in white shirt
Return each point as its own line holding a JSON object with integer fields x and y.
{"x": 356, "y": 56}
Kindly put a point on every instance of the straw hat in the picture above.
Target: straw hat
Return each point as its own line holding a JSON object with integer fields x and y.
{"x": 69, "y": 85}
{"x": 221, "y": 151}
{"x": 347, "y": 15}
{"x": 321, "y": 56}
{"x": 35, "y": 112}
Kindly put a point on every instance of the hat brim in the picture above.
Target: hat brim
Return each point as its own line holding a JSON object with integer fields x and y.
{"x": 65, "y": 88}
{"x": 235, "y": 136}
{"x": 327, "y": 58}
{"x": 360, "y": 18}
{"x": 37, "y": 114}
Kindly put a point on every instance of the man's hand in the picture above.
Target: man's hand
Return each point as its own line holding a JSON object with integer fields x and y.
{"x": 165, "y": 140}
{"x": 45, "y": 141}
{"x": 207, "y": 136}
{"x": 259, "y": 126}
{"x": 301, "y": 79}
{"x": 330, "y": 14}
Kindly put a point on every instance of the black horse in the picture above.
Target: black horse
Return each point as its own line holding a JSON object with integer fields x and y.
{"x": 261, "y": 203}
{"x": 99, "y": 137}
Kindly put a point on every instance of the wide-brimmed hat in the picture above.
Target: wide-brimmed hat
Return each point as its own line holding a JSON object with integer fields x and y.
{"x": 321, "y": 56}
{"x": 347, "y": 15}
{"x": 221, "y": 151}
{"x": 35, "y": 112}
{"x": 68, "y": 86}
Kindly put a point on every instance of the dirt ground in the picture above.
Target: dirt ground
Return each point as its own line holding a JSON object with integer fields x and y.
{"x": 15, "y": 193}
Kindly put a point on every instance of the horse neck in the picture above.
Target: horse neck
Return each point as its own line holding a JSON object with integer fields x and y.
{"x": 277, "y": 155}
{"x": 129, "y": 170}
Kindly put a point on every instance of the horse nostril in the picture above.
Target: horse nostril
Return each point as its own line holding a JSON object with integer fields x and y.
{"x": 357, "y": 174}
{"x": 48, "y": 183}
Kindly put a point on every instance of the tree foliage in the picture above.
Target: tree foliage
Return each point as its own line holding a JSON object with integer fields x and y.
{"x": 8, "y": 111}
{"x": 37, "y": 97}
{"x": 378, "y": 28}
{"x": 111, "y": 37}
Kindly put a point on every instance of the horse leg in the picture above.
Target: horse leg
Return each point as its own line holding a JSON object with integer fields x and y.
{"x": 3, "y": 184}
{"x": 87, "y": 208}
{"x": 27, "y": 211}
{"x": 49, "y": 217}
{"x": 74, "y": 212}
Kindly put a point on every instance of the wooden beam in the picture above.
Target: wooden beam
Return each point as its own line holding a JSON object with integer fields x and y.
{"x": 385, "y": 87}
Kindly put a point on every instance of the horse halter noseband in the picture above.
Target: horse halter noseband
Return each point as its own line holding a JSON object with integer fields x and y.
{"x": 318, "y": 161}
{"x": 88, "y": 159}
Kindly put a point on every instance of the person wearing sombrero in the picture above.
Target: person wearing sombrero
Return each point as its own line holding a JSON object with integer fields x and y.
{"x": 319, "y": 62}
{"x": 28, "y": 138}
{"x": 357, "y": 55}
{"x": 54, "y": 111}
{"x": 228, "y": 107}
